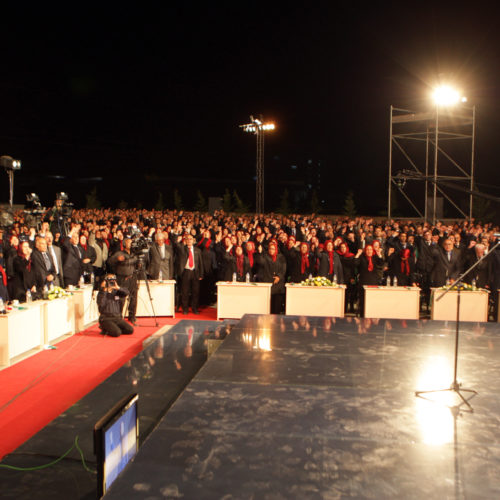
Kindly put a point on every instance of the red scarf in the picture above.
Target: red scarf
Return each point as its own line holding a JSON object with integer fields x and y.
{"x": 369, "y": 259}
{"x": 346, "y": 254}
{"x": 405, "y": 264}
{"x": 207, "y": 243}
{"x": 239, "y": 263}
{"x": 330, "y": 260}
{"x": 4, "y": 276}
{"x": 304, "y": 260}
{"x": 276, "y": 253}
{"x": 250, "y": 253}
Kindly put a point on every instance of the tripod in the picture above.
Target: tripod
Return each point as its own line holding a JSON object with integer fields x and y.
{"x": 456, "y": 387}
{"x": 141, "y": 273}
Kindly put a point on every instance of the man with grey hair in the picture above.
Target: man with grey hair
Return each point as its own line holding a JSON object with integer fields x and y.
{"x": 55, "y": 252}
{"x": 482, "y": 273}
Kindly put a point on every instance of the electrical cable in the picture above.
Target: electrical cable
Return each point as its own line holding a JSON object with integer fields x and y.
{"x": 54, "y": 462}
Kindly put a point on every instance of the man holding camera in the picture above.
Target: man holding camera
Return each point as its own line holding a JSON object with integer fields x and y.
{"x": 109, "y": 302}
{"x": 124, "y": 263}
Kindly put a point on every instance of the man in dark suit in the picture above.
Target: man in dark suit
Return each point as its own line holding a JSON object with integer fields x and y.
{"x": 190, "y": 271}
{"x": 56, "y": 254}
{"x": 426, "y": 249}
{"x": 42, "y": 263}
{"x": 161, "y": 259}
{"x": 447, "y": 264}
{"x": 74, "y": 258}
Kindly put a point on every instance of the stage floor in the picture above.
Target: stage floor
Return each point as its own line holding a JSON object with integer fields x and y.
{"x": 315, "y": 408}
{"x": 158, "y": 374}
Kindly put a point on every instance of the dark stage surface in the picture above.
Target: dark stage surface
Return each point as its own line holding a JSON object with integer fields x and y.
{"x": 316, "y": 408}
{"x": 158, "y": 374}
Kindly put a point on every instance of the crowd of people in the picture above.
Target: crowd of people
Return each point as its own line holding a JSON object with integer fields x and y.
{"x": 199, "y": 249}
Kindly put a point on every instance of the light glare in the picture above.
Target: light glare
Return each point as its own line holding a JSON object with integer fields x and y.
{"x": 447, "y": 96}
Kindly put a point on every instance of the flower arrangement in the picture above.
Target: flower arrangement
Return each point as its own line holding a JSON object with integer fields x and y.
{"x": 57, "y": 292}
{"x": 318, "y": 281}
{"x": 463, "y": 287}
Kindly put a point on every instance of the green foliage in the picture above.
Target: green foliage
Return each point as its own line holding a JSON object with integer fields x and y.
{"x": 177, "y": 200}
{"x": 227, "y": 204}
{"x": 284, "y": 207}
{"x": 349, "y": 205}
{"x": 201, "y": 204}
{"x": 239, "y": 206}
{"x": 160, "y": 205}
{"x": 92, "y": 200}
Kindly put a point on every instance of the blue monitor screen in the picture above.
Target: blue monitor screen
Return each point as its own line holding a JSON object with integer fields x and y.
{"x": 120, "y": 445}
{"x": 116, "y": 441}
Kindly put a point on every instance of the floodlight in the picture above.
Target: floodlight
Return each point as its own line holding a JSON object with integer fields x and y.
{"x": 445, "y": 95}
{"x": 9, "y": 163}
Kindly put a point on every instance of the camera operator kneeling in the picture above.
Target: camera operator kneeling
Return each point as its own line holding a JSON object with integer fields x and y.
{"x": 110, "y": 303}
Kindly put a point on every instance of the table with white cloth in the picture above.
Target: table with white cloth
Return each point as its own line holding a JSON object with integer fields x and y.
{"x": 85, "y": 306}
{"x": 21, "y": 331}
{"x": 59, "y": 318}
{"x": 305, "y": 300}
{"x": 473, "y": 305}
{"x": 234, "y": 299}
{"x": 397, "y": 302}
{"x": 162, "y": 298}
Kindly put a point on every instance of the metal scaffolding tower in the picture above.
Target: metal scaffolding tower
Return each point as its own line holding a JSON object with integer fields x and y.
{"x": 436, "y": 147}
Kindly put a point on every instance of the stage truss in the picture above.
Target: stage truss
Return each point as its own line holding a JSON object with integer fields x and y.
{"x": 426, "y": 144}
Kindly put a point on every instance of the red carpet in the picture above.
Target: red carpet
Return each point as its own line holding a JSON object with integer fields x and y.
{"x": 35, "y": 391}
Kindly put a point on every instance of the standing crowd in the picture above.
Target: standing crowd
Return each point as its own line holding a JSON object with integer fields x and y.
{"x": 199, "y": 249}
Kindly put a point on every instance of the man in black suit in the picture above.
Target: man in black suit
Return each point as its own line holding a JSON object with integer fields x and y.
{"x": 426, "y": 248}
{"x": 56, "y": 254}
{"x": 73, "y": 258}
{"x": 447, "y": 264}
{"x": 161, "y": 259}
{"x": 42, "y": 263}
{"x": 190, "y": 271}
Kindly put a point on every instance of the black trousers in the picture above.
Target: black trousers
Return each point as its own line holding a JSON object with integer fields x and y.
{"x": 130, "y": 283}
{"x": 114, "y": 327}
{"x": 190, "y": 285}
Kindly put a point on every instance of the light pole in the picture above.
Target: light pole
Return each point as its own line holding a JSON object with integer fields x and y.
{"x": 258, "y": 127}
{"x": 10, "y": 166}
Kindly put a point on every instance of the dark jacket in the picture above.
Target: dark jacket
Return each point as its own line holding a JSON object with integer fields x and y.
{"x": 324, "y": 267}
{"x": 157, "y": 262}
{"x": 268, "y": 269}
{"x": 109, "y": 303}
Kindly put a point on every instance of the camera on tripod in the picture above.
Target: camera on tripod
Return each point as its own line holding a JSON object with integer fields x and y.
{"x": 66, "y": 207}
{"x": 140, "y": 244}
{"x": 33, "y": 211}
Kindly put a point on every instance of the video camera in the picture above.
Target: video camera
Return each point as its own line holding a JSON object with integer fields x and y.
{"x": 66, "y": 207}
{"x": 33, "y": 211}
{"x": 140, "y": 244}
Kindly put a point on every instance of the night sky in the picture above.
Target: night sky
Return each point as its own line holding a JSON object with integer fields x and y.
{"x": 135, "y": 101}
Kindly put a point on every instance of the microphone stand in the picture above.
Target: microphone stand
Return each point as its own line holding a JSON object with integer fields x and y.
{"x": 456, "y": 387}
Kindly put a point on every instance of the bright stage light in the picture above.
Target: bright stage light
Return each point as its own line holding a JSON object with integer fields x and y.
{"x": 447, "y": 96}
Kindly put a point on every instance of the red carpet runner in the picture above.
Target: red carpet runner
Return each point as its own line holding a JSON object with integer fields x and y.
{"x": 35, "y": 391}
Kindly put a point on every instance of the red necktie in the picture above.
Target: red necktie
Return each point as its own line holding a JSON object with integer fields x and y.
{"x": 190, "y": 259}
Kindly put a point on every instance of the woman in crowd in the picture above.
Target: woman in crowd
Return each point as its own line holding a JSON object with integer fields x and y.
{"x": 330, "y": 265}
{"x": 237, "y": 265}
{"x": 367, "y": 261}
{"x": 349, "y": 272}
{"x": 272, "y": 269}
{"x": 24, "y": 275}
